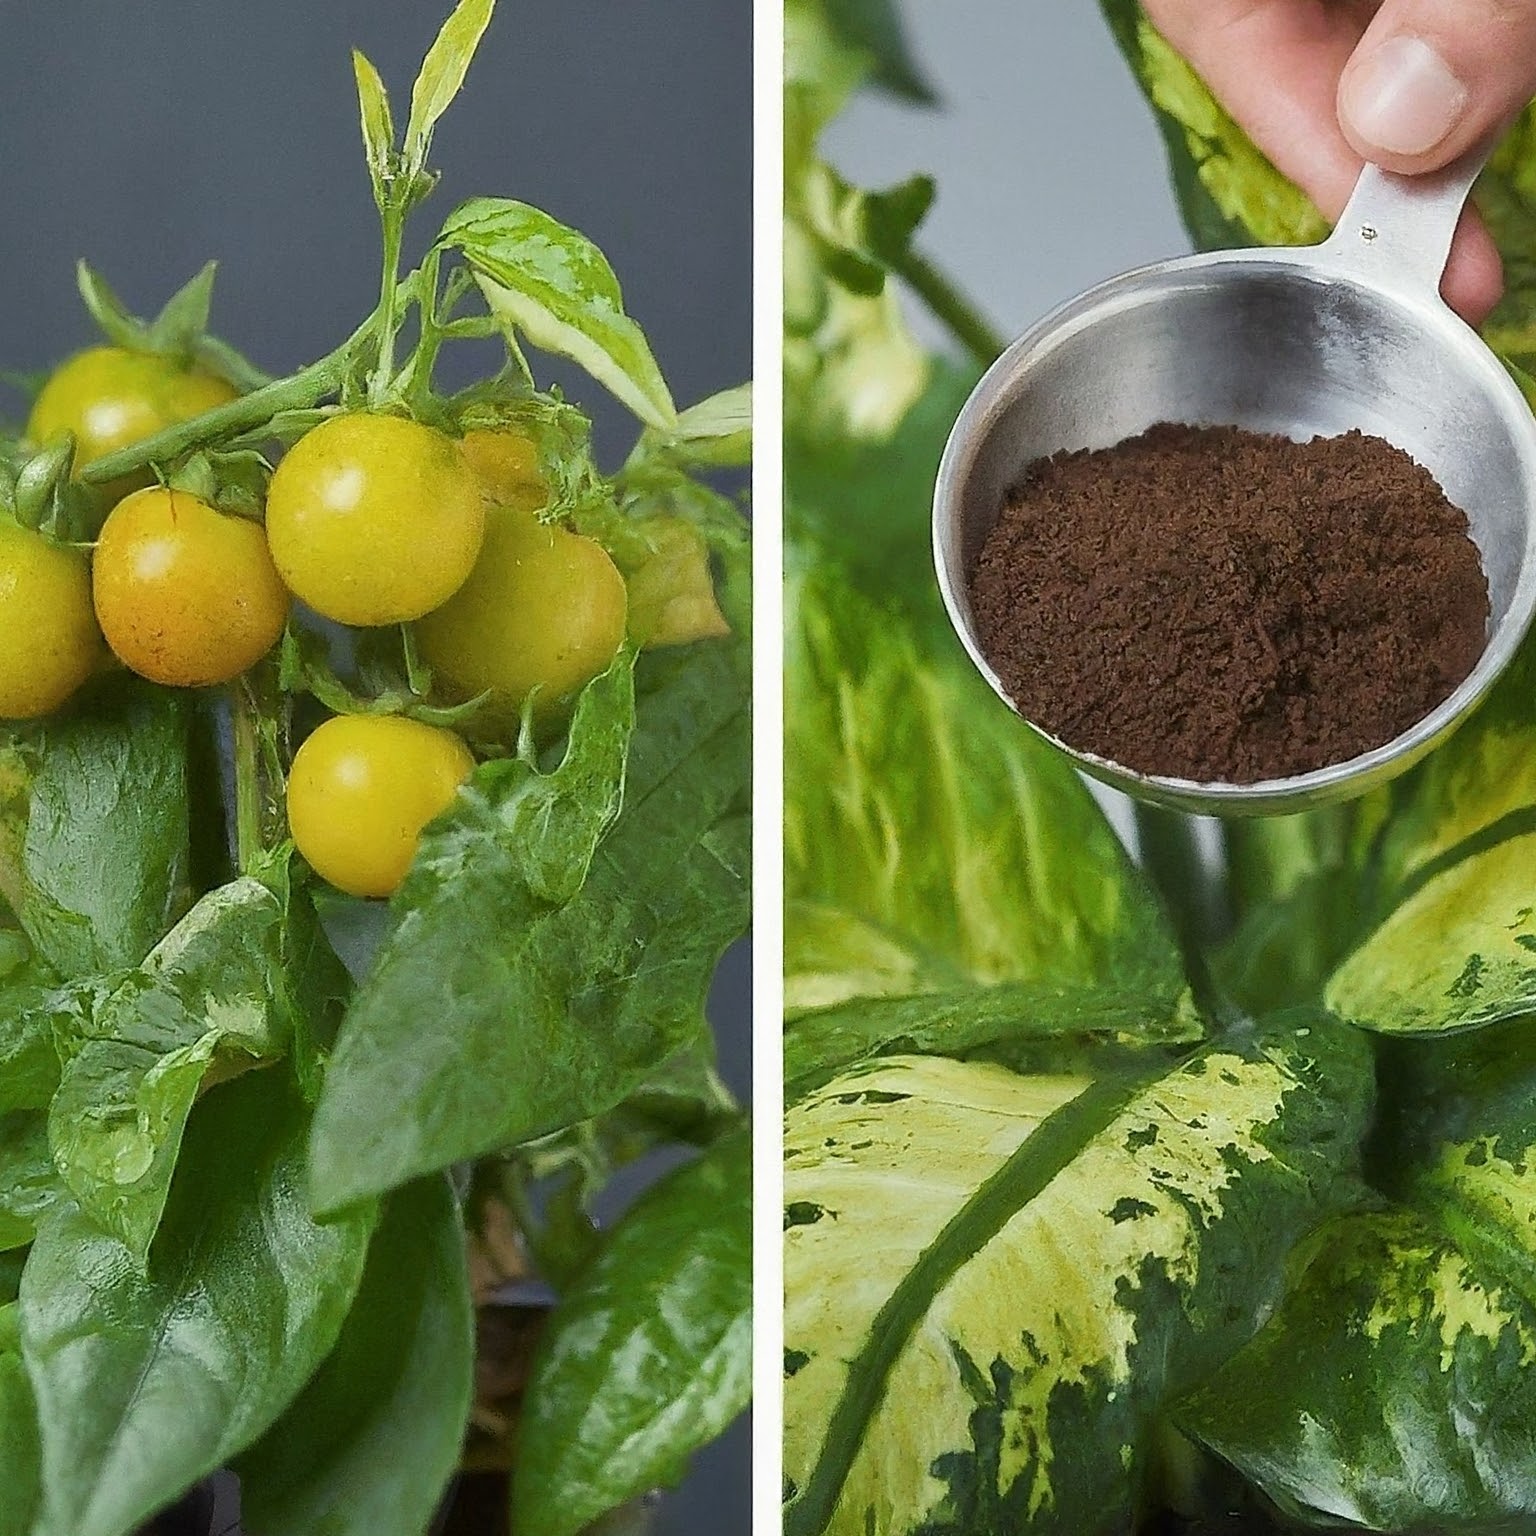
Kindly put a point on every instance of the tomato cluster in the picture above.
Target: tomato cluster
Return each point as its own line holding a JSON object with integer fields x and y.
{"x": 370, "y": 520}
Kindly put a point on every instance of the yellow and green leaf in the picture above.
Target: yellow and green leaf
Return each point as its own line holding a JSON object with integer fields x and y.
{"x": 994, "y": 1280}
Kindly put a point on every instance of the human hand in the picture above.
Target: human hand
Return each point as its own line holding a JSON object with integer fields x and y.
{"x": 1321, "y": 86}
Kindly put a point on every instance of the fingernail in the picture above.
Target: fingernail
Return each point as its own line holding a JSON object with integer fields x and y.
{"x": 1402, "y": 97}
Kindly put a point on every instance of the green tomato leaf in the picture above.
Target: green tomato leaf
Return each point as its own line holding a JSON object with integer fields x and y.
{"x": 442, "y": 74}
{"x": 378, "y": 126}
{"x": 29, "y": 1062}
{"x": 137, "y": 1047}
{"x": 29, "y": 1183}
{"x": 370, "y": 1444}
{"x": 1451, "y": 942}
{"x": 550, "y": 997}
{"x": 648, "y": 1356}
{"x": 949, "y": 880}
{"x": 19, "y": 1451}
{"x": 147, "y": 1382}
{"x": 874, "y": 28}
{"x": 178, "y": 329}
{"x": 106, "y": 847}
{"x": 995, "y": 1281}
{"x": 552, "y": 284}
{"x": 1391, "y": 1391}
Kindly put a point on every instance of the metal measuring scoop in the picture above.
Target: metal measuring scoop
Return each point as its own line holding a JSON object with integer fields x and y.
{"x": 1313, "y": 340}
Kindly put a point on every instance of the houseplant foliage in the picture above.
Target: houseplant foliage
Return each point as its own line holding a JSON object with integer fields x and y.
{"x": 241, "y": 1182}
{"x": 1089, "y": 1229}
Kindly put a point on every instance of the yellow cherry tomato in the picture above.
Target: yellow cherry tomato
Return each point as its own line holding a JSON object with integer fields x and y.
{"x": 506, "y": 463}
{"x": 374, "y": 519}
{"x": 111, "y": 398}
{"x": 49, "y": 642}
{"x": 186, "y": 595}
{"x": 544, "y": 608}
{"x": 361, "y": 790}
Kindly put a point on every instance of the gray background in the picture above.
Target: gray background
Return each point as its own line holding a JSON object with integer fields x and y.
{"x": 1051, "y": 173}
{"x": 151, "y": 137}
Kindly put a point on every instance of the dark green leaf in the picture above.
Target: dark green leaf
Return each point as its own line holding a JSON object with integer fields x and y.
{"x": 442, "y": 74}
{"x": 649, "y": 1355}
{"x": 891, "y": 218}
{"x": 29, "y": 1063}
{"x": 107, "y": 834}
{"x": 147, "y": 1382}
{"x": 369, "y": 1445}
{"x": 510, "y": 1003}
{"x": 556, "y": 287}
{"x": 40, "y": 480}
{"x": 137, "y": 1047}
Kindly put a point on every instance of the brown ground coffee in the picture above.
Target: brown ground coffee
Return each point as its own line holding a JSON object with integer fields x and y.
{"x": 1220, "y": 605}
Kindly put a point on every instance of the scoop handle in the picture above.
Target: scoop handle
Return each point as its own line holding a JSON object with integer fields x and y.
{"x": 1396, "y": 231}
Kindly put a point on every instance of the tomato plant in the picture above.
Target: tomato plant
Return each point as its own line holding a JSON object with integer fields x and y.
{"x": 374, "y": 519}
{"x": 362, "y": 788}
{"x": 52, "y": 643}
{"x": 112, "y": 397}
{"x": 542, "y": 613}
{"x": 251, "y": 1195}
{"x": 186, "y": 595}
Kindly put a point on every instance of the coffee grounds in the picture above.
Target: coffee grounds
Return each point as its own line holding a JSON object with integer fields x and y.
{"x": 1220, "y": 605}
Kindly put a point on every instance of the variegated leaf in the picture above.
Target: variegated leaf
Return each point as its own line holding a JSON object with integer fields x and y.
{"x": 1396, "y": 1387}
{"x": 994, "y": 1280}
{"x": 1394, "y": 1390}
{"x": 1455, "y": 881}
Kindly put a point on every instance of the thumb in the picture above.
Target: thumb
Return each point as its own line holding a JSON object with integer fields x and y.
{"x": 1431, "y": 78}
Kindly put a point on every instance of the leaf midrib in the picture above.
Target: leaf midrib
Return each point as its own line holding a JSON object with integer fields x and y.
{"x": 1044, "y": 1153}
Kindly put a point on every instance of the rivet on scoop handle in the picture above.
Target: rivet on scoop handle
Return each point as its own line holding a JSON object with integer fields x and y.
{"x": 1396, "y": 231}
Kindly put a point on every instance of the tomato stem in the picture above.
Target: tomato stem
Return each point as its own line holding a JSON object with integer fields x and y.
{"x": 299, "y": 391}
{"x": 392, "y": 221}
